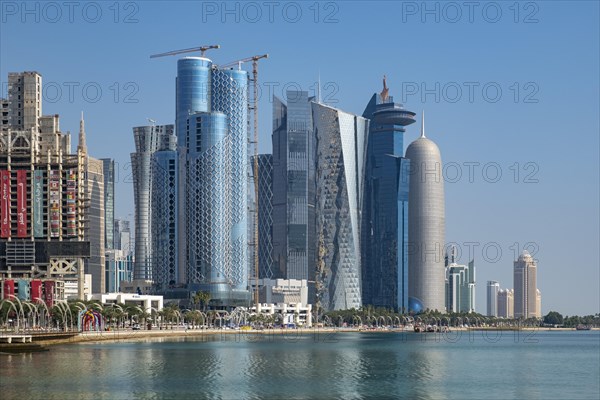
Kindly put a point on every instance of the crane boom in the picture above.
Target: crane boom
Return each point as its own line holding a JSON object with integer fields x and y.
{"x": 243, "y": 60}
{"x": 201, "y": 49}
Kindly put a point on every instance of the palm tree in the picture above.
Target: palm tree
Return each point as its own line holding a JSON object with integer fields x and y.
{"x": 202, "y": 298}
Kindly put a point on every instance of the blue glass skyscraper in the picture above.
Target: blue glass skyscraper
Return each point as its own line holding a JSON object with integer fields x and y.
{"x": 212, "y": 131}
{"x": 385, "y": 208}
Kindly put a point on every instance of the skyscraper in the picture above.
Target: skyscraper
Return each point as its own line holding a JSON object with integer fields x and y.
{"x": 212, "y": 123}
{"x": 148, "y": 139}
{"x": 164, "y": 222}
{"x": 525, "y": 286}
{"x": 109, "y": 202}
{"x": 24, "y": 100}
{"x": 294, "y": 235}
{"x": 340, "y": 144}
{"x": 385, "y": 207}
{"x": 426, "y": 226}
{"x": 43, "y": 204}
{"x": 493, "y": 288}
{"x": 460, "y": 284}
{"x": 264, "y": 204}
{"x": 123, "y": 240}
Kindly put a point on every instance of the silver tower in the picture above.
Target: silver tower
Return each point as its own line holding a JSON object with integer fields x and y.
{"x": 426, "y": 226}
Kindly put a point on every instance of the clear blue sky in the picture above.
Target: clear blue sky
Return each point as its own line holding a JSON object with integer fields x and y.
{"x": 543, "y": 57}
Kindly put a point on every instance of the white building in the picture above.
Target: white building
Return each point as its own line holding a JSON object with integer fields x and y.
{"x": 296, "y": 314}
{"x": 146, "y": 301}
{"x": 492, "y": 298}
{"x": 282, "y": 290}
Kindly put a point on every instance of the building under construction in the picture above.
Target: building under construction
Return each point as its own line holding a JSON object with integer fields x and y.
{"x": 43, "y": 193}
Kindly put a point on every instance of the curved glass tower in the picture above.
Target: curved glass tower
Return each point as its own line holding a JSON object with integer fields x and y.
{"x": 426, "y": 226}
{"x": 230, "y": 96}
{"x": 385, "y": 211}
{"x": 192, "y": 91}
{"x": 208, "y": 213}
{"x": 148, "y": 139}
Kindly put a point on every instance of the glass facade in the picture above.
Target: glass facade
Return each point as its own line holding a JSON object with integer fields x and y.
{"x": 109, "y": 202}
{"x": 165, "y": 181}
{"x": 265, "y": 216}
{"x": 148, "y": 139}
{"x": 341, "y": 140}
{"x": 385, "y": 207}
{"x": 230, "y": 96}
{"x": 294, "y": 243}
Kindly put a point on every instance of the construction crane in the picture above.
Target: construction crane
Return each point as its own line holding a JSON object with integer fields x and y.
{"x": 254, "y": 107}
{"x": 201, "y": 49}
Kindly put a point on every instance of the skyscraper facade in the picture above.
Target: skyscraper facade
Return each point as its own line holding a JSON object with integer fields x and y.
{"x": 148, "y": 139}
{"x": 525, "y": 286}
{"x": 96, "y": 264}
{"x": 493, "y": 288}
{"x": 165, "y": 183}
{"x": 385, "y": 207}
{"x": 460, "y": 284}
{"x": 264, "y": 205}
{"x": 506, "y": 303}
{"x": 212, "y": 124}
{"x": 108, "y": 170}
{"x": 340, "y": 144}
{"x": 43, "y": 188}
{"x": 426, "y": 226}
{"x": 294, "y": 235}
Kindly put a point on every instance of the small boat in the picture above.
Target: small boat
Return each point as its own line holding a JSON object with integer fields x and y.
{"x": 582, "y": 327}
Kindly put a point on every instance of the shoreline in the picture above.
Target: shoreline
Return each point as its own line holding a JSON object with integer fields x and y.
{"x": 146, "y": 335}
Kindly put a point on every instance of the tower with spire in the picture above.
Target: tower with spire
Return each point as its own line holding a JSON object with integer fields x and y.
{"x": 82, "y": 146}
{"x": 384, "y": 225}
{"x": 426, "y": 225}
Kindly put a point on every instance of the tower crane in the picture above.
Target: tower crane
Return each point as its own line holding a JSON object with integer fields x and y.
{"x": 254, "y": 107}
{"x": 201, "y": 49}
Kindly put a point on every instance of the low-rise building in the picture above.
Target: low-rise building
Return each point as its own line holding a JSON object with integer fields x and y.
{"x": 295, "y": 314}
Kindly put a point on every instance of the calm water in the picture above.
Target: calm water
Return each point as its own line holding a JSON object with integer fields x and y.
{"x": 543, "y": 365}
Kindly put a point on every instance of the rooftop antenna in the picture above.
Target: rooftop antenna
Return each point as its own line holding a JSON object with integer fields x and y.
{"x": 319, "y": 89}
{"x": 423, "y": 124}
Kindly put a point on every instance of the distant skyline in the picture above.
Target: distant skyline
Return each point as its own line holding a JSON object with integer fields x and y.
{"x": 546, "y": 66}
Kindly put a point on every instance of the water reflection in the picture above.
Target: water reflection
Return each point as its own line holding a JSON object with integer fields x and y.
{"x": 344, "y": 366}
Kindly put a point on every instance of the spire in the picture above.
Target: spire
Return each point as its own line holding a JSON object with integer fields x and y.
{"x": 423, "y": 124}
{"x": 82, "y": 146}
{"x": 385, "y": 92}
{"x": 319, "y": 89}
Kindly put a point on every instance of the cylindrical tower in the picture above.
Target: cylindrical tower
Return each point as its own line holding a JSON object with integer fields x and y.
{"x": 208, "y": 214}
{"x": 192, "y": 91}
{"x": 426, "y": 226}
{"x": 229, "y": 90}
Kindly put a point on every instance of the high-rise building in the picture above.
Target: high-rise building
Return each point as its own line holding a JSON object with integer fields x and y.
{"x": 426, "y": 226}
{"x": 4, "y": 110}
{"x": 43, "y": 204}
{"x": 24, "y": 100}
{"x": 460, "y": 284}
{"x": 264, "y": 204}
{"x": 506, "y": 303}
{"x": 108, "y": 165}
{"x": 525, "y": 286}
{"x": 123, "y": 240}
{"x": 385, "y": 207}
{"x": 340, "y": 146}
{"x": 212, "y": 123}
{"x": 294, "y": 234}
{"x": 119, "y": 268}
{"x": 148, "y": 139}
{"x": 538, "y": 303}
{"x": 165, "y": 182}
{"x": 493, "y": 288}
{"x": 96, "y": 264}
